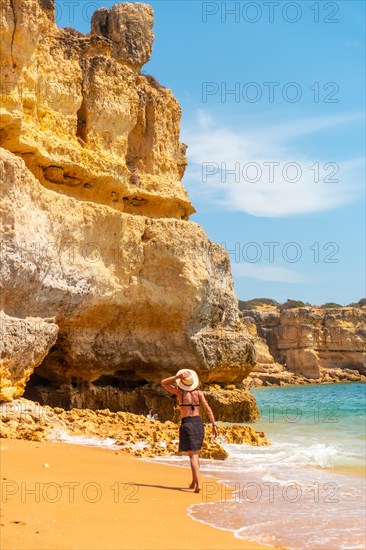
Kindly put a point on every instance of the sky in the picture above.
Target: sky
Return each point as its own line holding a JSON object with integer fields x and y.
{"x": 272, "y": 94}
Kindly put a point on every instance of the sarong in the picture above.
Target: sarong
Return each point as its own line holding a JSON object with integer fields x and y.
{"x": 191, "y": 434}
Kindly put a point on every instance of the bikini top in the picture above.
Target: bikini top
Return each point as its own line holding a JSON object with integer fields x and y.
{"x": 192, "y": 405}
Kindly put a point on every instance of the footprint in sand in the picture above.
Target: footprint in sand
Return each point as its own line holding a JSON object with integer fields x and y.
{"x": 18, "y": 522}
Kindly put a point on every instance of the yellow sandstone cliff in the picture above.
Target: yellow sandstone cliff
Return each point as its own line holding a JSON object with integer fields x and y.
{"x": 308, "y": 344}
{"x": 100, "y": 263}
{"x": 81, "y": 115}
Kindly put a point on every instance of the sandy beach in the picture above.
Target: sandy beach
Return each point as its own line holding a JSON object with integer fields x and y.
{"x": 60, "y": 496}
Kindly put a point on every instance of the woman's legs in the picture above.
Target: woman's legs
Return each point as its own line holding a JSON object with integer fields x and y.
{"x": 195, "y": 467}
{"x": 190, "y": 453}
{"x": 199, "y": 465}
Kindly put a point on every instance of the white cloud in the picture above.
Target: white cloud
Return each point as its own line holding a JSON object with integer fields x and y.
{"x": 285, "y": 131}
{"x": 296, "y": 184}
{"x": 205, "y": 120}
{"x": 266, "y": 273}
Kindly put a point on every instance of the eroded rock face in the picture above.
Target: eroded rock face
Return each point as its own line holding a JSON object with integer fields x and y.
{"x": 235, "y": 405}
{"x": 308, "y": 339}
{"x": 129, "y": 27}
{"x": 24, "y": 343}
{"x": 313, "y": 343}
{"x": 165, "y": 300}
{"x": 83, "y": 118}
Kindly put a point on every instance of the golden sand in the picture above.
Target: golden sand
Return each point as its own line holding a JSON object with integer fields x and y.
{"x": 60, "y": 496}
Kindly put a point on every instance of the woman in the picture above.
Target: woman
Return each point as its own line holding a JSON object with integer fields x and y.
{"x": 191, "y": 430}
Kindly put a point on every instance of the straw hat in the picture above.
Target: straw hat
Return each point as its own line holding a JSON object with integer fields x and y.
{"x": 190, "y": 383}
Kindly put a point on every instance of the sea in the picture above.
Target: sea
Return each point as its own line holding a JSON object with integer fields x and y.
{"x": 307, "y": 489}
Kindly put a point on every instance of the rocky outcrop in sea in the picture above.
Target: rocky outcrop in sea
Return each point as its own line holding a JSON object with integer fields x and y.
{"x": 307, "y": 344}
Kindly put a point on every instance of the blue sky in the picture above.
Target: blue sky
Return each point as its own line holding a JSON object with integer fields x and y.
{"x": 273, "y": 115}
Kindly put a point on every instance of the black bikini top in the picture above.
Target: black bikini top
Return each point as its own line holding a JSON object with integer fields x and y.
{"x": 192, "y": 405}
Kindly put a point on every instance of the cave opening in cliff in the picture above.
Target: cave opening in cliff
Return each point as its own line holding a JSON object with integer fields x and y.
{"x": 118, "y": 382}
{"x": 35, "y": 384}
{"x": 119, "y": 391}
{"x": 81, "y": 130}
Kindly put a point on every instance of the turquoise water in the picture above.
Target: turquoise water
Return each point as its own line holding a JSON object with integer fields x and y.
{"x": 293, "y": 493}
{"x": 330, "y": 419}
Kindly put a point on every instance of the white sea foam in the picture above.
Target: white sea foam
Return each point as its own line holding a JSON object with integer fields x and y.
{"x": 319, "y": 455}
{"x": 138, "y": 446}
{"x": 151, "y": 416}
{"x": 61, "y": 435}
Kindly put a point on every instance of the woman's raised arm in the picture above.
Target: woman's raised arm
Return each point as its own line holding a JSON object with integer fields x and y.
{"x": 167, "y": 383}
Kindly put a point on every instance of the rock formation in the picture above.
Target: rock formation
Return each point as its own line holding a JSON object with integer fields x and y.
{"x": 159, "y": 307}
{"x": 141, "y": 436}
{"x": 97, "y": 245}
{"x": 310, "y": 343}
{"x": 84, "y": 119}
{"x": 24, "y": 343}
{"x": 231, "y": 404}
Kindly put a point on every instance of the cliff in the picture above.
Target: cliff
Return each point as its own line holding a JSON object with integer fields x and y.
{"x": 110, "y": 284}
{"x": 81, "y": 115}
{"x": 309, "y": 344}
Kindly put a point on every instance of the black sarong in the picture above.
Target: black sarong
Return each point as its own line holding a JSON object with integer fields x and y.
{"x": 191, "y": 433}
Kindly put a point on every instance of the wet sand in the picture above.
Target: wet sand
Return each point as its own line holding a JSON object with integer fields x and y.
{"x": 356, "y": 471}
{"x": 60, "y": 496}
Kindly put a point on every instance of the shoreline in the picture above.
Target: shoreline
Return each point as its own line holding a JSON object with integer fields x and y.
{"x": 61, "y": 496}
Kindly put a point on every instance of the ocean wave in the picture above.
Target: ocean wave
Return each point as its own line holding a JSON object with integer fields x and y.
{"x": 317, "y": 454}
{"x": 62, "y": 436}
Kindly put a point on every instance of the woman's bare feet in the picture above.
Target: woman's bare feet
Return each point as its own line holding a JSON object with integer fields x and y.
{"x": 194, "y": 486}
